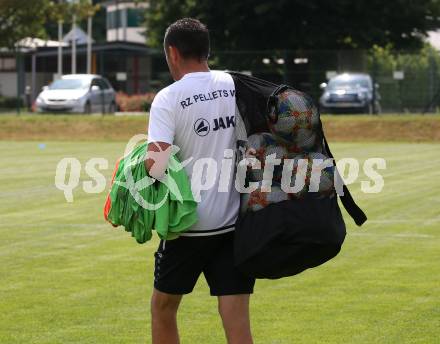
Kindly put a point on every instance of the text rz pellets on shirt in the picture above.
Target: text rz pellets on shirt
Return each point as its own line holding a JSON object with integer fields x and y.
{"x": 207, "y": 97}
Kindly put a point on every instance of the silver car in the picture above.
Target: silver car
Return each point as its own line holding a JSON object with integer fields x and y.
{"x": 80, "y": 93}
{"x": 350, "y": 92}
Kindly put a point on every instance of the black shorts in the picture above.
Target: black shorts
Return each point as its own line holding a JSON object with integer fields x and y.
{"x": 179, "y": 263}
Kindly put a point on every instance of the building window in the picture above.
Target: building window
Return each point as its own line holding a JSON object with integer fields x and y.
{"x": 114, "y": 19}
{"x": 135, "y": 17}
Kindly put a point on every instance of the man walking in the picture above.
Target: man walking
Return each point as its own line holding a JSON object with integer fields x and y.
{"x": 196, "y": 113}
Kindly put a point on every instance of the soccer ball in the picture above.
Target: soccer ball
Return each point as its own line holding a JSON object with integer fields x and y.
{"x": 327, "y": 175}
{"x": 305, "y": 139}
{"x": 264, "y": 145}
{"x": 258, "y": 199}
{"x": 314, "y": 165}
{"x": 294, "y": 175}
{"x": 298, "y": 121}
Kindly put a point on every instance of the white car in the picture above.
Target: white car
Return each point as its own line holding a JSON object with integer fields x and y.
{"x": 80, "y": 93}
{"x": 350, "y": 92}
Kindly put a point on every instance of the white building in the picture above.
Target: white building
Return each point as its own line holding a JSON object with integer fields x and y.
{"x": 434, "y": 39}
{"x": 125, "y": 21}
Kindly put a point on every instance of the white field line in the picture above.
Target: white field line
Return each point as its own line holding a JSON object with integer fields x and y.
{"x": 421, "y": 222}
{"x": 433, "y": 220}
{"x": 397, "y": 235}
{"x": 391, "y": 192}
{"x": 399, "y": 171}
{"x": 393, "y": 160}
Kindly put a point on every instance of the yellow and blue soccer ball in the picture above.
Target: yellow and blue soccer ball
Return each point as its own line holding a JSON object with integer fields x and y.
{"x": 297, "y": 122}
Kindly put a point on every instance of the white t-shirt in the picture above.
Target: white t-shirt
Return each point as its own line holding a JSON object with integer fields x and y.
{"x": 197, "y": 114}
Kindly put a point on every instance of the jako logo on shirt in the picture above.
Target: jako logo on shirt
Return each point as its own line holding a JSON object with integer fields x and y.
{"x": 202, "y": 126}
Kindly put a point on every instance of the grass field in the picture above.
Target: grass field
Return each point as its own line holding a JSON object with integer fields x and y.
{"x": 68, "y": 277}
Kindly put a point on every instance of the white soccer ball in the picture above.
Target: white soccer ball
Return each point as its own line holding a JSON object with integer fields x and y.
{"x": 258, "y": 199}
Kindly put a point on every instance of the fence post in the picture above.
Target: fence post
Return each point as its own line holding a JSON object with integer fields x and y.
{"x": 431, "y": 71}
{"x": 374, "y": 78}
{"x": 20, "y": 78}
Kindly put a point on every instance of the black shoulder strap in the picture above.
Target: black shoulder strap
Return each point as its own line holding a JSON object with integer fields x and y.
{"x": 272, "y": 101}
{"x": 347, "y": 200}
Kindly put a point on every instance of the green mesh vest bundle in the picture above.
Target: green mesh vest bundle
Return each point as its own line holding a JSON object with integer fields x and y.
{"x": 141, "y": 204}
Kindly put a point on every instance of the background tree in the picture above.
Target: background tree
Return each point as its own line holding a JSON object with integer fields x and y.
{"x": 19, "y": 19}
{"x": 301, "y": 24}
{"x": 99, "y": 24}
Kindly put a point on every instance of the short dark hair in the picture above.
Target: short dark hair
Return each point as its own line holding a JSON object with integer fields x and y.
{"x": 190, "y": 37}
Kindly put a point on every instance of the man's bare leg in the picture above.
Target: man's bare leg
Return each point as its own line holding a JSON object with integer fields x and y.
{"x": 163, "y": 317}
{"x": 234, "y": 311}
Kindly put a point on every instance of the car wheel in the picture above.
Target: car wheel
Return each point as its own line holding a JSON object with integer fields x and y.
{"x": 87, "y": 108}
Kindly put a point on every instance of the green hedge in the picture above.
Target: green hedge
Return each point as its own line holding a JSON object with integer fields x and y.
{"x": 10, "y": 102}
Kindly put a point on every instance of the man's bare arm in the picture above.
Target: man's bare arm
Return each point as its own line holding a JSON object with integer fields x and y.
{"x": 158, "y": 154}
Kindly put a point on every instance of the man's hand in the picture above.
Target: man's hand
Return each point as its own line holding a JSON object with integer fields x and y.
{"x": 158, "y": 154}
